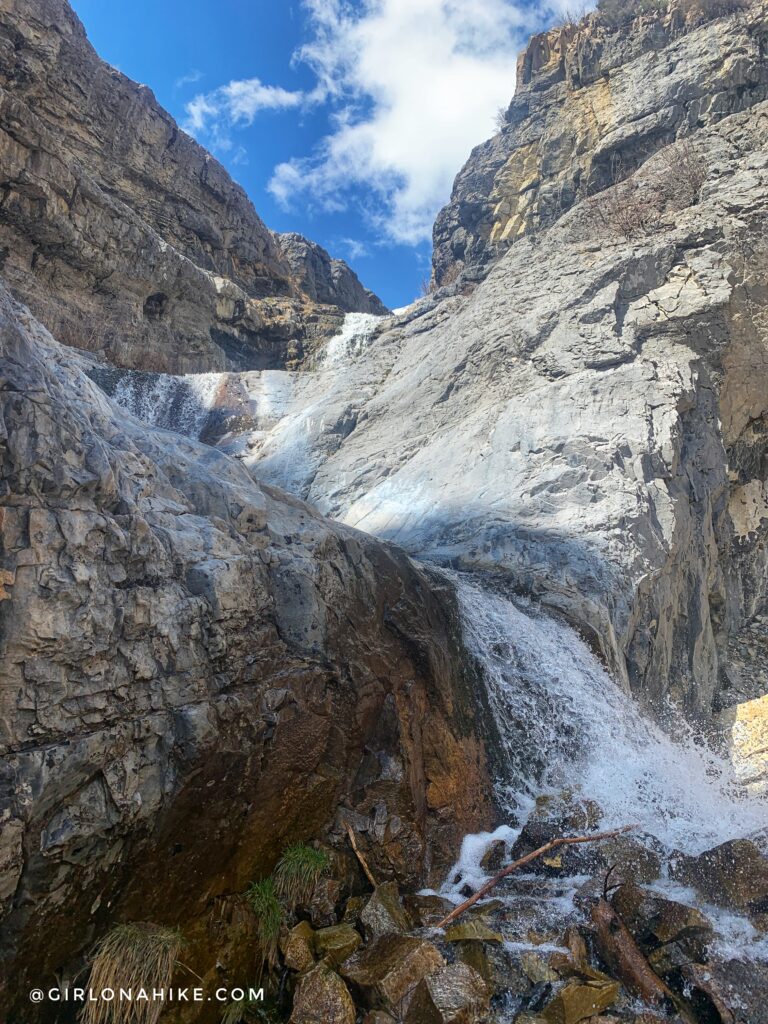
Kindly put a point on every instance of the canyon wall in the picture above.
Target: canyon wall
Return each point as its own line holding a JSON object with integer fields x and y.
{"x": 196, "y": 671}
{"x": 123, "y": 235}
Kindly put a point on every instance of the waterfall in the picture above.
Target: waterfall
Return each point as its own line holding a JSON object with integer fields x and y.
{"x": 354, "y": 337}
{"x": 566, "y": 724}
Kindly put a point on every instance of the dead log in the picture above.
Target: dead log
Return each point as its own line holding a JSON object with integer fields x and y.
{"x": 626, "y": 962}
{"x": 360, "y": 857}
{"x": 552, "y": 845}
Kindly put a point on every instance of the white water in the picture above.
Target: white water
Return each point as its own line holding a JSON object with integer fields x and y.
{"x": 354, "y": 337}
{"x": 565, "y": 724}
{"x": 181, "y": 404}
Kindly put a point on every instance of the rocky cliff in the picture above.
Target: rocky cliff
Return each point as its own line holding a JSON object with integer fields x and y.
{"x": 197, "y": 670}
{"x": 594, "y": 100}
{"x": 123, "y": 235}
{"x": 590, "y": 419}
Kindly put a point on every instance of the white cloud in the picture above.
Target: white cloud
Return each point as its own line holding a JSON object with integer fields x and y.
{"x": 355, "y": 249}
{"x": 212, "y": 115}
{"x": 415, "y": 85}
{"x": 410, "y": 85}
{"x": 189, "y": 79}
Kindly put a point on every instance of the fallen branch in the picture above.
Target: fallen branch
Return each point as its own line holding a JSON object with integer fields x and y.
{"x": 627, "y": 962}
{"x": 360, "y": 857}
{"x": 551, "y": 845}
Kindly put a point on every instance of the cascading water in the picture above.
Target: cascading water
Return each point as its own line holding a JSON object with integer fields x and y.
{"x": 565, "y": 725}
{"x": 182, "y": 404}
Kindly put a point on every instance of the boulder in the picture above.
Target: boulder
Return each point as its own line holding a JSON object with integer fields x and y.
{"x": 733, "y": 875}
{"x": 333, "y": 945}
{"x": 472, "y": 929}
{"x": 321, "y": 997}
{"x": 425, "y": 911}
{"x": 493, "y": 859}
{"x": 298, "y": 947}
{"x": 455, "y": 994}
{"x": 389, "y": 969}
{"x": 325, "y": 899}
{"x": 580, "y": 1000}
{"x": 670, "y": 934}
{"x": 384, "y": 912}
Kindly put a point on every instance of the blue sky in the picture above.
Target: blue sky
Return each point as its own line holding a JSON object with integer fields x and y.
{"x": 345, "y": 120}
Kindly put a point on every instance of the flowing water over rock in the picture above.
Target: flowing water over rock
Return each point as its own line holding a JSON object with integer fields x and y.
{"x": 566, "y": 727}
{"x": 182, "y": 404}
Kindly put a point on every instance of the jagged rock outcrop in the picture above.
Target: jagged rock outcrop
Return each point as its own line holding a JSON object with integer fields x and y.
{"x": 196, "y": 670}
{"x": 122, "y": 234}
{"x": 590, "y": 420}
{"x": 593, "y": 102}
{"x": 325, "y": 279}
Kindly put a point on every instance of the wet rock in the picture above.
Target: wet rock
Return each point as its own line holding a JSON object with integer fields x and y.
{"x": 426, "y": 911}
{"x": 325, "y": 899}
{"x": 378, "y": 1017}
{"x": 657, "y": 923}
{"x": 733, "y": 875}
{"x": 455, "y": 994}
{"x": 353, "y": 909}
{"x": 391, "y": 967}
{"x": 476, "y": 929}
{"x": 633, "y": 858}
{"x": 384, "y": 912}
{"x": 537, "y": 969}
{"x": 321, "y": 997}
{"x": 298, "y": 947}
{"x": 493, "y": 859}
{"x": 333, "y": 945}
{"x": 579, "y": 1001}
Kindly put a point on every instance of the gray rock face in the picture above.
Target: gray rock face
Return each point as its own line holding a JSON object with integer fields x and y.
{"x": 589, "y": 419}
{"x": 325, "y": 279}
{"x": 122, "y": 234}
{"x": 195, "y": 670}
{"x": 593, "y": 101}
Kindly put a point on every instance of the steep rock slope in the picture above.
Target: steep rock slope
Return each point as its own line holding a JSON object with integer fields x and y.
{"x": 588, "y": 418}
{"x": 122, "y": 234}
{"x": 593, "y": 102}
{"x": 325, "y": 279}
{"x": 195, "y": 671}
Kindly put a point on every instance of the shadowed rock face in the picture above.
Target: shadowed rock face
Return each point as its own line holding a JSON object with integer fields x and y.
{"x": 197, "y": 670}
{"x": 122, "y": 234}
{"x": 594, "y": 102}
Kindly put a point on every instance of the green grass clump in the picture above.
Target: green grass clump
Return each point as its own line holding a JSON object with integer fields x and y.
{"x": 137, "y": 955}
{"x": 298, "y": 871}
{"x": 266, "y": 905}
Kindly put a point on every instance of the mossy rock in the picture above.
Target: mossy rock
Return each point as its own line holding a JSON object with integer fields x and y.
{"x": 298, "y": 947}
{"x": 333, "y": 945}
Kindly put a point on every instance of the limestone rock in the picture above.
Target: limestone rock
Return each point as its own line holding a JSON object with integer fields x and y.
{"x": 589, "y": 95}
{"x": 325, "y": 279}
{"x": 745, "y": 726}
{"x": 321, "y": 997}
{"x": 389, "y": 969}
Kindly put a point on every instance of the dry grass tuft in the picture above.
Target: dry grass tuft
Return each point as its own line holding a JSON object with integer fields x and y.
{"x": 135, "y": 956}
